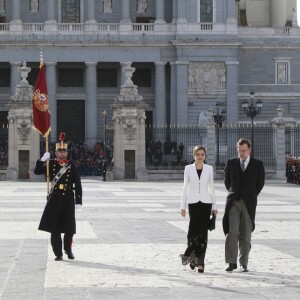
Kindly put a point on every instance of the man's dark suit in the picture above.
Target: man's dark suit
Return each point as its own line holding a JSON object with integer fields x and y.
{"x": 243, "y": 185}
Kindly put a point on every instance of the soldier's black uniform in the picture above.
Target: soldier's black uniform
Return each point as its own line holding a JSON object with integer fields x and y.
{"x": 59, "y": 214}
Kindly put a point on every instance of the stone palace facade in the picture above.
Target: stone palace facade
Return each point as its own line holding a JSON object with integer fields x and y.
{"x": 188, "y": 55}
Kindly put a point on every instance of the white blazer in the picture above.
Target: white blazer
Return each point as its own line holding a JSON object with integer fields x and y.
{"x": 195, "y": 190}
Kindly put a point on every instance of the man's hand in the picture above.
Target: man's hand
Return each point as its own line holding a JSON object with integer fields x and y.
{"x": 46, "y": 156}
{"x": 183, "y": 212}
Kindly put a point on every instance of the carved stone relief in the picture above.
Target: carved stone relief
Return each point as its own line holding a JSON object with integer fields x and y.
{"x": 24, "y": 129}
{"x": 34, "y": 5}
{"x": 207, "y": 76}
{"x": 129, "y": 128}
{"x": 1, "y": 5}
{"x": 107, "y": 8}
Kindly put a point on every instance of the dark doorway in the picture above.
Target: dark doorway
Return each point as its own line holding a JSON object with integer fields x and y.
{"x": 23, "y": 164}
{"x": 129, "y": 164}
{"x": 71, "y": 119}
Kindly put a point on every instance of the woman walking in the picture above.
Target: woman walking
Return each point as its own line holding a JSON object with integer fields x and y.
{"x": 199, "y": 195}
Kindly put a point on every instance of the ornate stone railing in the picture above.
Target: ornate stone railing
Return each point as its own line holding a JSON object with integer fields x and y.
{"x": 143, "y": 27}
{"x": 265, "y": 32}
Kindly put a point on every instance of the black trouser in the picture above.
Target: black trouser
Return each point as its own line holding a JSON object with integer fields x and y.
{"x": 56, "y": 243}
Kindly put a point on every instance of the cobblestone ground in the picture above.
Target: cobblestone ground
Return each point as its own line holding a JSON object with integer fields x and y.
{"x": 129, "y": 237}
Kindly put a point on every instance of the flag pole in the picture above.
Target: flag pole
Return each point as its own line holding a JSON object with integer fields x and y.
{"x": 47, "y": 135}
{"x": 47, "y": 164}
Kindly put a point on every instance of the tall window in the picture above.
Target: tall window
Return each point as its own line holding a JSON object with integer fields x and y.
{"x": 71, "y": 11}
{"x": 283, "y": 72}
{"x": 206, "y": 11}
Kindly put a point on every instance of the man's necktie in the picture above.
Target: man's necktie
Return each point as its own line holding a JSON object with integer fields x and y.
{"x": 243, "y": 165}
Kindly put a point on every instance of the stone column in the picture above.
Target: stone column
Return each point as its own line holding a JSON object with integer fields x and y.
{"x": 51, "y": 87}
{"x": 14, "y": 76}
{"x": 232, "y": 97}
{"x": 51, "y": 11}
{"x": 280, "y": 145}
{"x": 91, "y": 12}
{"x": 91, "y": 103}
{"x": 230, "y": 9}
{"x": 173, "y": 95}
{"x": 182, "y": 91}
{"x": 211, "y": 137}
{"x": 160, "y": 11}
{"x": 125, "y": 11}
{"x": 16, "y": 11}
{"x": 278, "y": 13}
{"x": 160, "y": 93}
{"x": 175, "y": 11}
{"x": 181, "y": 12}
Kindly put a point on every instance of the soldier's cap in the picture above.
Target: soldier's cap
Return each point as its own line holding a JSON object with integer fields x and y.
{"x": 61, "y": 145}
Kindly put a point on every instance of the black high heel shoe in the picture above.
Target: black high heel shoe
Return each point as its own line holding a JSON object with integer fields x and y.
{"x": 192, "y": 266}
{"x": 201, "y": 269}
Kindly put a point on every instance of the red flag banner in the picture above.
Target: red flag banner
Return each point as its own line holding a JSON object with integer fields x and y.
{"x": 40, "y": 104}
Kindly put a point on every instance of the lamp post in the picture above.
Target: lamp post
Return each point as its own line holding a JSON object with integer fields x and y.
{"x": 251, "y": 110}
{"x": 104, "y": 115}
{"x": 219, "y": 118}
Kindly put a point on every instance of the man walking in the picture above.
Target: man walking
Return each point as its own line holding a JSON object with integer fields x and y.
{"x": 244, "y": 179}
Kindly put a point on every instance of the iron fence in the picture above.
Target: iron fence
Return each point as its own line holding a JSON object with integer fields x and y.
{"x": 262, "y": 146}
{"x": 3, "y": 148}
{"x": 292, "y": 141}
{"x": 171, "y": 147}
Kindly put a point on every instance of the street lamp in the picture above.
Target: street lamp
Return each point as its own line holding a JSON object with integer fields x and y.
{"x": 251, "y": 110}
{"x": 104, "y": 115}
{"x": 219, "y": 118}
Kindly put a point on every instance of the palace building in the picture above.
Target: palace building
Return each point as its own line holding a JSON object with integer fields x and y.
{"x": 188, "y": 56}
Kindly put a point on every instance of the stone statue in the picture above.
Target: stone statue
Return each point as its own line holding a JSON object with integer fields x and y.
{"x": 203, "y": 118}
{"x": 1, "y": 5}
{"x": 107, "y": 8}
{"x": 142, "y": 6}
{"x": 34, "y": 5}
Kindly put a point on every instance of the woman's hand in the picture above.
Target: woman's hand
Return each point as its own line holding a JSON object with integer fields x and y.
{"x": 214, "y": 212}
{"x": 183, "y": 212}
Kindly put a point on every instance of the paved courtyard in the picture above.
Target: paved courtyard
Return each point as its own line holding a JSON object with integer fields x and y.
{"x": 129, "y": 237}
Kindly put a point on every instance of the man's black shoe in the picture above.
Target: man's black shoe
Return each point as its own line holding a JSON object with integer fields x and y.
{"x": 231, "y": 267}
{"x": 244, "y": 268}
{"x": 57, "y": 258}
{"x": 70, "y": 254}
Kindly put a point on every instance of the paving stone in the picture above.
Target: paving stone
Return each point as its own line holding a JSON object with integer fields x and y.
{"x": 128, "y": 241}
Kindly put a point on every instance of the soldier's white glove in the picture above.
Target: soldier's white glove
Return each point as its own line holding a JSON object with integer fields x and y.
{"x": 46, "y": 156}
{"x": 78, "y": 207}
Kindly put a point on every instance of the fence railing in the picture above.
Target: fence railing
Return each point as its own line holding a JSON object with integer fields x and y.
{"x": 3, "y": 148}
{"x": 262, "y": 146}
{"x": 170, "y": 147}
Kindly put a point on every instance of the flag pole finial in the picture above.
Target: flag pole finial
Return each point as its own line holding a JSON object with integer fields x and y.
{"x": 41, "y": 57}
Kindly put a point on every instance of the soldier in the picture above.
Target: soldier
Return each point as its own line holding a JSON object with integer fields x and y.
{"x": 59, "y": 214}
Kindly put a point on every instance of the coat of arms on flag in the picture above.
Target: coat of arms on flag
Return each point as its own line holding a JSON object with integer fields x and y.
{"x": 40, "y": 104}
